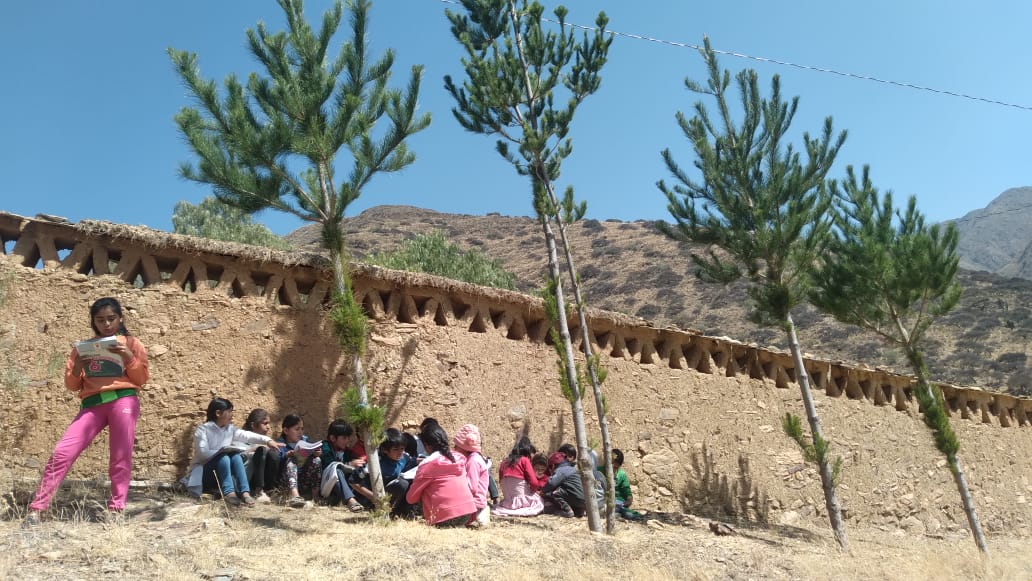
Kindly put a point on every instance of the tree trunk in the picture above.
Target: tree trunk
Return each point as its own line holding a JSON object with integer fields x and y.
{"x": 576, "y": 402}
{"x": 596, "y": 385}
{"x": 969, "y": 504}
{"x": 827, "y": 480}
{"x": 933, "y": 399}
{"x": 372, "y": 449}
{"x": 341, "y": 281}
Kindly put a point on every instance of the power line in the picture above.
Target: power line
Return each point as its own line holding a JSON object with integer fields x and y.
{"x": 762, "y": 59}
{"x": 986, "y": 215}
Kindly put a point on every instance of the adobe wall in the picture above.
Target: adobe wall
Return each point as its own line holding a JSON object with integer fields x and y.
{"x": 699, "y": 417}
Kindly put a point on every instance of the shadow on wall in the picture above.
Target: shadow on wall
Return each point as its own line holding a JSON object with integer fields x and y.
{"x": 306, "y": 373}
{"x": 392, "y": 398}
{"x": 558, "y": 436}
{"x": 712, "y": 494}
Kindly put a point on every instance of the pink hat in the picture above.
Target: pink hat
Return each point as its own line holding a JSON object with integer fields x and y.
{"x": 467, "y": 439}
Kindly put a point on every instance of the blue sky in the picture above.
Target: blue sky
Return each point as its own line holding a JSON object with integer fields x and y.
{"x": 89, "y": 95}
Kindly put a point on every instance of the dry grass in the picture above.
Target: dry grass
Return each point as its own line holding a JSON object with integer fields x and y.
{"x": 173, "y": 537}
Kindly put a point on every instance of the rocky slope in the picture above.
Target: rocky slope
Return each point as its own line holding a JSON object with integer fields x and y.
{"x": 632, "y": 268}
{"x": 997, "y": 238}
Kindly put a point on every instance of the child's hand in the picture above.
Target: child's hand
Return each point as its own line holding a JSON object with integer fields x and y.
{"x": 357, "y": 462}
{"x": 275, "y": 445}
{"x": 122, "y": 351}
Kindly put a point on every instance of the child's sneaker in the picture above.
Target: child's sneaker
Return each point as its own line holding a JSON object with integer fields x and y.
{"x": 262, "y": 498}
{"x": 32, "y": 520}
{"x": 296, "y": 502}
{"x": 113, "y": 517}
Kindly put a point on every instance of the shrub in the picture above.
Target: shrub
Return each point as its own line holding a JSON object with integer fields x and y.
{"x": 433, "y": 254}
{"x": 213, "y": 219}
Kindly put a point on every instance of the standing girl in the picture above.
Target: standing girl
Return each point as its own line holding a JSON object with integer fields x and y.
{"x": 520, "y": 482}
{"x": 217, "y": 463}
{"x": 108, "y": 395}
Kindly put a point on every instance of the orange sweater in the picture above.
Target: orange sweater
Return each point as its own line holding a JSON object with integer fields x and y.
{"x": 136, "y": 373}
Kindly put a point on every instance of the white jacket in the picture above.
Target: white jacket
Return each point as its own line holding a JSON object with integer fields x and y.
{"x": 208, "y": 440}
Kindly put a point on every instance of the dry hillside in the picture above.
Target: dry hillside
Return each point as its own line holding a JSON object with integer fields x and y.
{"x": 630, "y": 267}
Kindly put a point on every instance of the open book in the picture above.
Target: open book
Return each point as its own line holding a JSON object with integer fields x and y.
{"x": 234, "y": 448}
{"x": 303, "y": 451}
{"x": 97, "y": 358}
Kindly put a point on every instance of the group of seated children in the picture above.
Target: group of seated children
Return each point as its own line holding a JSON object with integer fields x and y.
{"x": 533, "y": 483}
{"x": 448, "y": 481}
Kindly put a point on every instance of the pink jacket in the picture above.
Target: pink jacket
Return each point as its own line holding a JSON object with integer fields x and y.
{"x": 441, "y": 486}
{"x": 478, "y": 477}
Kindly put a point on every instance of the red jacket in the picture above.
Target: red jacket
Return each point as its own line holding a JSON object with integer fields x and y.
{"x": 523, "y": 470}
{"x": 441, "y": 486}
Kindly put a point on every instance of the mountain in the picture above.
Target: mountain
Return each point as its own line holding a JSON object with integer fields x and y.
{"x": 997, "y": 238}
{"x": 632, "y": 268}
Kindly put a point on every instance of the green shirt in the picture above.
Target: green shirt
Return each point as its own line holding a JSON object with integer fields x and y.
{"x": 623, "y": 485}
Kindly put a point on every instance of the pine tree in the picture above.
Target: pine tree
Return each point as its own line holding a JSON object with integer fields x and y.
{"x": 890, "y": 273}
{"x": 760, "y": 211}
{"x": 213, "y": 219}
{"x": 515, "y": 70}
{"x": 275, "y": 142}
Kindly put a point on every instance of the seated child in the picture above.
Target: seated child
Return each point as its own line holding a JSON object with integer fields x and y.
{"x": 263, "y": 465}
{"x": 565, "y": 488}
{"x": 440, "y": 485}
{"x": 520, "y": 481}
{"x": 467, "y": 443}
{"x": 395, "y": 461}
{"x": 216, "y": 462}
{"x": 623, "y": 487}
{"x": 299, "y": 473}
{"x": 540, "y": 464}
{"x": 342, "y": 456}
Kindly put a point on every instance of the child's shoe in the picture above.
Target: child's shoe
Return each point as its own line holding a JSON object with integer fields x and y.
{"x": 296, "y": 502}
{"x": 354, "y": 505}
{"x": 262, "y": 498}
{"x": 32, "y": 520}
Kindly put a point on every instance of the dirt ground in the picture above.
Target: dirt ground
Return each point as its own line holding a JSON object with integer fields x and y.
{"x": 698, "y": 447}
{"x": 170, "y": 536}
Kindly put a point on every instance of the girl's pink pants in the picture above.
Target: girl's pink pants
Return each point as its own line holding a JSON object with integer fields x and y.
{"x": 119, "y": 417}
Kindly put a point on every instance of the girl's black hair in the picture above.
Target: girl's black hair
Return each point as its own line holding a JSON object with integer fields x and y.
{"x": 106, "y": 302}
{"x": 289, "y": 421}
{"x": 569, "y": 451}
{"x": 257, "y": 416}
{"x": 411, "y": 446}
{"x": 539, "y": 460}
{"x": 392, "y": 438}
{"x": 339, "y": 427}
{"x": 523, "y": 447}
{"x": 427, "y": 422}
{"x": 617, "y": 457}
{"x": 219, "y": 404}
{"x": 436, "y": 440}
